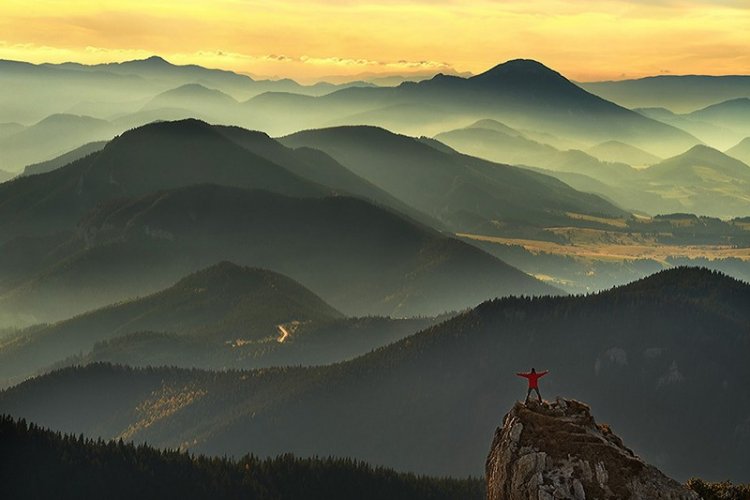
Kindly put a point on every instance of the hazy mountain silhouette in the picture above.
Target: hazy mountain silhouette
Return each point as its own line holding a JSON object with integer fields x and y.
{"x": 360, "y": 258}
{"x": 463, "y": 192}
{"x": 680, "y": 94}
{"x": 34, "y": 91}
{"x": 157, "y": 156}
{"x": 158, "y": 68}
{"x": 196, "y": 98}
{"x": 222, "y": 316}
{"x": 49, "y": 138}
{"x": 715, "y": 135}
{"x": 703, "y": 180}
{"x": 616, "y": 151}
{"x": 741, "y": 151}
{"x": 308, "y": 343}
{"x": 520, "y": 93}
{"x": 224, "y": 302}
{"x": 624, "y": 191}
{"x": 638, "y": 353}
{"x": 64, "y": 159}
{"x": 415, "y": 119}
{"x": 146, "y": 116}
{"x": 318, "y": 167}
{"x": 513, "y": 147}
{"x": 733, "y": 114}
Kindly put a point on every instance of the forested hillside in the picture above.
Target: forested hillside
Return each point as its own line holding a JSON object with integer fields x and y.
{"x": 38, "y": 463}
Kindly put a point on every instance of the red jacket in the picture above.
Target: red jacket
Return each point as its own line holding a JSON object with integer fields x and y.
{"x": 533, "y": 378}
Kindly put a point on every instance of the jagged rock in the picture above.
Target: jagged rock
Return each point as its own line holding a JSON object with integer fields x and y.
{"x": 552, "y": 451}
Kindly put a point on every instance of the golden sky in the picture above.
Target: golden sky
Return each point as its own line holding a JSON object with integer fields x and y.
{"x": 583, "y": 39}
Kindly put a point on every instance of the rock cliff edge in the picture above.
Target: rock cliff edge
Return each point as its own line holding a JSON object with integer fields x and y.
{"x": 555, "y": 450}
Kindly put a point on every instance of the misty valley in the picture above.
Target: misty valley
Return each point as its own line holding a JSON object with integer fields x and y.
{"x": 220, "y": 286}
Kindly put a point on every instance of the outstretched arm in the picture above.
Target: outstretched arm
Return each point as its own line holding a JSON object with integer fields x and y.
{"x": 524, "y": 375}
{"x": 542, "y": 374}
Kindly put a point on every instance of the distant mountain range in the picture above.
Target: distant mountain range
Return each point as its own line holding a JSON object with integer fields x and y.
{"x": 521, "y": 93}
{"x": 616, "y": 151}
{"x": 465, "y": 193}
{"x": 220, "y": 317}
{"x": 721, "y": 125}
{"x": 361, "y": 258}
{"x": 51, "y": 137}
{"x": 641, "y": 354}
{"x": 497, "y": 142}
{"x": 734, "y": 114}
{"x": 678, "y": 93}
{"x": 524, "y": 94}
{"x": 741, "y": 151}
{"x": 701, "y": 180}
{"x": 42, "y": 89}
{"x": 158, "y": 156}
{"x": 344, "y": 282}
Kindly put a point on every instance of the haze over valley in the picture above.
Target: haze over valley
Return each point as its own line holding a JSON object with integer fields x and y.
{"x": 356, "y": 263}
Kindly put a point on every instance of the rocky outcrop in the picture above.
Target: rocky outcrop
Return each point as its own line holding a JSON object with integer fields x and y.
{"x": 549, "y": 451}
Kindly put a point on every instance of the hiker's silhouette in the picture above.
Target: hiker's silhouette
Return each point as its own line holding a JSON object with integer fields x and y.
{"x": 533, "y": 378}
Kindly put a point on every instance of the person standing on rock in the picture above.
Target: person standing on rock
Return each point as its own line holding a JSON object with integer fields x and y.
{"x": 533, "y": 378}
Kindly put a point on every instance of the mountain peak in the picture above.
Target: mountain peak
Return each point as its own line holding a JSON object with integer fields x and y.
{"x": 698, "y": 283}
{"x": 702, "y": 149}
{"x": 526, "y": 68}
{"x": 526, "y": 77}
{"x": 193, "y": 125}
{"x": 557, "y": 450}
{"x": 155, "y": 61}
{"x": 701, "y": 152}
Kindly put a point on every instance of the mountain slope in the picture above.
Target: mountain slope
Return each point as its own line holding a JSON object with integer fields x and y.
{"x": 62, "y": 160}
{"x": 733, "y": 114}
{"x": 709, "y": 133}
{"x": 49, "y": 138}
{"x": 741, "y": 151}
{"x": 638, "y": 354}
{"x": 225, "y": 316}
{"x": 316, "y": 166}
{"x": 156, "y": 156}
{"x": 521, "y": 93}
{"x": 616, "y": 151}
{"x": 516, "y": 149}
{"x": 201, "y": 100}
{"x": 77, "y": 468}
{"x": 679, "y": 93}
{"x": 463, "y": 192}
{"x": 360, "y": 258}
{"x": 703, "y": 180}
{"x": 218, "y": 316}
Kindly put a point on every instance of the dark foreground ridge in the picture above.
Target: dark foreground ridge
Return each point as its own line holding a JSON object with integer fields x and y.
{"x": 548, "y": 451}
{"x": 37, "y": 463}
